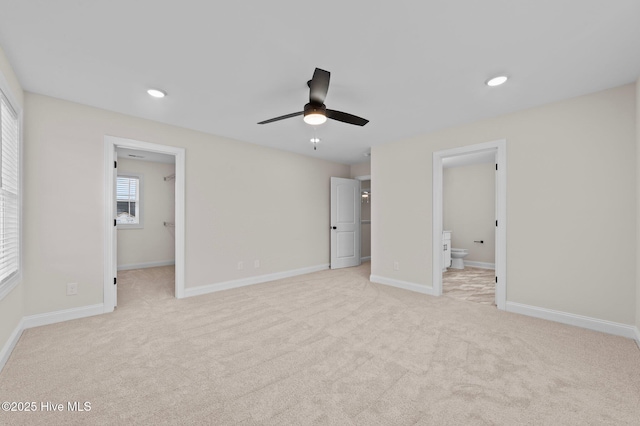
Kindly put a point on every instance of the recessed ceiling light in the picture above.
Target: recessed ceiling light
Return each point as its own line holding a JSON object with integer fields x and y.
{"x": 157, "y": 93}
{"x": 497, "y": 81}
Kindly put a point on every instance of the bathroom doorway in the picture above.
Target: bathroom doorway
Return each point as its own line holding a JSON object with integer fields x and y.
{"x": 493, "y": 156}
{"x": 468, "y": 220}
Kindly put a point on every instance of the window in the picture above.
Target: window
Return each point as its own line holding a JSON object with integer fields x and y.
{"x": 9, "y": 195}
{"x": 129, "y": 201}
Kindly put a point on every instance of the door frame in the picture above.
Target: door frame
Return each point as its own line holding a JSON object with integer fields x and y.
{"x": 110, "y": 145}
{"x": 501, "y": 214}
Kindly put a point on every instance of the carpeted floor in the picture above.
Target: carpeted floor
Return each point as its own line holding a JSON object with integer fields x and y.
{"x": 472, "y": 284}
{"x": 325, "y": 348}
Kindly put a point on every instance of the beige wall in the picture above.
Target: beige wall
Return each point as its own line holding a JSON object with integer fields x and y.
{"x": 155, "y": 242}
{"x": 361, "y": 169}
{"x": 243, "y": 202}
{"x": 12, "y": 305}
{"x": 570, "y": 203}
{"x": 638, "y": 205}
{"x": 468, "y": 200}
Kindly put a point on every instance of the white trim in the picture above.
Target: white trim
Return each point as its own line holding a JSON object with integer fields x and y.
{"x": 144, "y": 265}
{"x": 406, "y": 285}
{"x": 365, "y": 259}
{"x": 500, "y": 146}
{"x": 110, "y": 144}
{"x": 482, "y": 265}
{"x": 226, "y": 285}
{"x": 47, "y": 318}
{"x": 595, "y": 324}
{"x": 5, "y": 353}
{"x": 5, "y": 88}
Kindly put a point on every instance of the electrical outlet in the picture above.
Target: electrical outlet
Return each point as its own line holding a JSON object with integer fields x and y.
{"x": 72, "y": 289}
{"x": 256, "y": 263}
{"x": 396, "y": 266}
{"x": 240, "y": 265}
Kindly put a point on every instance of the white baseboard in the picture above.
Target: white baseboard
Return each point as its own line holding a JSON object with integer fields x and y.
{"x": 595, "y": 324}
{"x": 5, "y": 353}
{"x": 365, "y": 259}
{"x": 227, "y": 285}
{"x": 406, "y": 285}
{"x": 146, "y": 265}
{"x": 483, "y": 265}
{"x": 45, "y": 319}
{"x": 63, "y": 315}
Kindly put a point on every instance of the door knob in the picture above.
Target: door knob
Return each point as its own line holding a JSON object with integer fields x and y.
{"x": 334, "y": 227}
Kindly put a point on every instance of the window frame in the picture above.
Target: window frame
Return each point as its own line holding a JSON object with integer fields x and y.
{"x": 14, "y": 279}
{"x": 140, "y": 202}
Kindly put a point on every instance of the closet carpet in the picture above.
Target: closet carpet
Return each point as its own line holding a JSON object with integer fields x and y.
{"x": 325, "y": 348}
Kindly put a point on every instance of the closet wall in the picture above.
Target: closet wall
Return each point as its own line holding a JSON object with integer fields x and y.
{"x": 153, "y": 245}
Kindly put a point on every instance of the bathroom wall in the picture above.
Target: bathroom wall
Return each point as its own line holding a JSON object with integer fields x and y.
{"x": 469, "y": 209}
{"x": 153, "y": 244}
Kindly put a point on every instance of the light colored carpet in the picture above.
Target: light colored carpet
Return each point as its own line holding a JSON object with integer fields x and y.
{"x": 472, "y": 284}
{"x": 325, "y": 348}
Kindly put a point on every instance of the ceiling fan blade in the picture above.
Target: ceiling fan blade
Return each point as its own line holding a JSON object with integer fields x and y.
{"x": 346, "y": 118}
{"x": 282, "y": 117}
{"x": 319, "y": 86}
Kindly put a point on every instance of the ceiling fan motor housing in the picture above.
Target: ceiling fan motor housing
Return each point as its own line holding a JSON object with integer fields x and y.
{"x": 315, "y": 108}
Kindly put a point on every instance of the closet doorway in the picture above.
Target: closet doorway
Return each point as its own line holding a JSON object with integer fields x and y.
{"x": 145, "y": 222}
{"x": 144, "y": 210}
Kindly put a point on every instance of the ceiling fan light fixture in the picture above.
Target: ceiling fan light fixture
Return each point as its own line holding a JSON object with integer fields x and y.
{"x": 497, "y": 81}
{"x": 315, "y": 114}
{"x": 315, "y": 118}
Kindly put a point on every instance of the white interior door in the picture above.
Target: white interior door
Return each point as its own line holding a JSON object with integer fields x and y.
{"x": 345, "y": 222}
{"x": 114, "y": 262}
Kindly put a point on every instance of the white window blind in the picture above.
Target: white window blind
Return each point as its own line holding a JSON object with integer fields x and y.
{"x": 9, "y": 192}
{"x": 128, "y": 200}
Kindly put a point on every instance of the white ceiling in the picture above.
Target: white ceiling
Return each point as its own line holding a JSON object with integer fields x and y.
{"x": 410, "y": 67}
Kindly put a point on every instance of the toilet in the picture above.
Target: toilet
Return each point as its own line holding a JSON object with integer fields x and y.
{"x": 457, "y": 257}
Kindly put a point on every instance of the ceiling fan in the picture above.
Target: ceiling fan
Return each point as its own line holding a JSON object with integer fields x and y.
{"x": 315, "y": 112}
